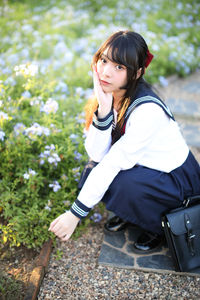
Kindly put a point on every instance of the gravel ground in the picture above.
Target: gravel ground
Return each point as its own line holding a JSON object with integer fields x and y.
{"x": 77, "y": 275}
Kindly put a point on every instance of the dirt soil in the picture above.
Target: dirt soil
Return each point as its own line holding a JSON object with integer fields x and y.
{"x": 17, "y": 265}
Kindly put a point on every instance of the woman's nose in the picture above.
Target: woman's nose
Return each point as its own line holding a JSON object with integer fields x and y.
{"x": 107, "y": 70}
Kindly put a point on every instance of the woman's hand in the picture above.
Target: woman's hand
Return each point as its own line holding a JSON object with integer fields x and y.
{"x": 64, "y": 225}
{"x": 104, "y": 99}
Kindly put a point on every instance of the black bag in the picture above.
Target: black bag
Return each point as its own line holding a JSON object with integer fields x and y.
{"x": 182, "y": 232}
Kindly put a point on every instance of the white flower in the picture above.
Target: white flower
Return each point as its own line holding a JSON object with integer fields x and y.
{"x": 36, "y": 130}
{"x": 26, "y": 69}
{"x": 3, "y": 115}
{"x": 29, "y": 173}
{"x": 26, "y": 176}
{"x": 47, "y": 207}
{"x": 2, "y": 135}
{"x": 51, "y": 106}
{"x": 51, "y": 160}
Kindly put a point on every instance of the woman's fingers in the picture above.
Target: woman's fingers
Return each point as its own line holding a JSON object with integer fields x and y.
{"x": 53, "y": 224}
{"x": 66, "y": 238}
{"x": 97, "y": 85}
{"x": 64, "y": 225}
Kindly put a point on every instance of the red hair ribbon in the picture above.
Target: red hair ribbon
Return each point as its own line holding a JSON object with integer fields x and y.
{"x": 149, "y": 58}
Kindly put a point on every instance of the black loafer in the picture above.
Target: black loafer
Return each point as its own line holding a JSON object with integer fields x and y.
{"x": 115, "y": 224}
{"x": 147, "y": 242}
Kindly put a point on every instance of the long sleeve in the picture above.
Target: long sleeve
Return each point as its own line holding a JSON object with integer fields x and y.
{"x": 147, "y": 129}
{"x": 98, "y": 140}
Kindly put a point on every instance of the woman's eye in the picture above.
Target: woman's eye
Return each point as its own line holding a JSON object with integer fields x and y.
{"x": 103, "y": 60}
{"x": 119, "y": 67}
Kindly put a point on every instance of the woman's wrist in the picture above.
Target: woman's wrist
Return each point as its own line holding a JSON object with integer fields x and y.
{"x": 73, "y": 216}
{"x": 103, "y": 112}
{"x": 79, "y": 210}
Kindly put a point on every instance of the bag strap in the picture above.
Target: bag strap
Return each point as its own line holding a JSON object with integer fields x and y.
{"x": 143, "y": 100}
{"x": 190, "y": 235}
{"x": 191, "y": 200}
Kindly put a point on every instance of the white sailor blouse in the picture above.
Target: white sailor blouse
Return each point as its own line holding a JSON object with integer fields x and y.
{"x": 152, "y": 139}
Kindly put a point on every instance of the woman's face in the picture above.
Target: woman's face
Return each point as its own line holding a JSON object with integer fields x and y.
{"x": 112, "y": 75}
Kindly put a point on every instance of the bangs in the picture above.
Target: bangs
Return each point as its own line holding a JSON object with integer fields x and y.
{"x": 120, "y": 51}
{"x": 118, "y": 54}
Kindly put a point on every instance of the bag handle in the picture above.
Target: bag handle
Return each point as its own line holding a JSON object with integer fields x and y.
{"x": 191, "y": 200}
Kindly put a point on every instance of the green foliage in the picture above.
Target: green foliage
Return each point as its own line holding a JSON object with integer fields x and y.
{"x": 45, "y": 78}
{"x": 42, "y": 156}
{"x": 10, "y": 288}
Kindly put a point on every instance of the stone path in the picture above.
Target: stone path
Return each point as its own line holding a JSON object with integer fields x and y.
{"x": 117, "y": 251}
{"x": 183, "y": 98}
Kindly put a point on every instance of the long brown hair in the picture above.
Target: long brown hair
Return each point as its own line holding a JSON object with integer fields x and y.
{"x": 126, "y": 48}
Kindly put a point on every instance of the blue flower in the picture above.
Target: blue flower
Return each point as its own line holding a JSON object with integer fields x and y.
{"x": 19, "y": 128}
{"x": 96, "y": 217}
{"x": 55, "y": 185}
{"x": 78, "y": 155}
{"x": 26, "y": 94}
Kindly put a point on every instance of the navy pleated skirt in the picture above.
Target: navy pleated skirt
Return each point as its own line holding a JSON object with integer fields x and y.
{"x": 142, "y": 195}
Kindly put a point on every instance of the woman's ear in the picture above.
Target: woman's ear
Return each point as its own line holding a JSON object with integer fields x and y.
{"x": 139, "y": 71}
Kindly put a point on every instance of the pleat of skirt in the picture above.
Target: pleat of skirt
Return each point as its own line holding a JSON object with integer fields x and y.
{"x": 142, "y": 195}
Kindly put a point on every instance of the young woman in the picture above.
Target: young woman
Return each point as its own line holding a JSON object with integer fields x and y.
{"x": 140, "y": 164}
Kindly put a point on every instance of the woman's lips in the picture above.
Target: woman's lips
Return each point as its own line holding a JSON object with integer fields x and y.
{"x": 104, "y": 82}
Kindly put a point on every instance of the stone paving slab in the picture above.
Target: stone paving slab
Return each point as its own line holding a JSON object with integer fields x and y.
{"x": 185, "y": 108}
{"x": 117, "y": 251}
{"x": 191, "y": 132}
{"x": 182, "y": 95}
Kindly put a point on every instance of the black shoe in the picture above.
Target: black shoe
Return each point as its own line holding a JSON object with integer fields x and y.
{"x": 115, "y": 224}
{"x": 147, "y": 242}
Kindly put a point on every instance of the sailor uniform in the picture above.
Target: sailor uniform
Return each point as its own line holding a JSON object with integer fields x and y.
{"x": 148, "y": 171}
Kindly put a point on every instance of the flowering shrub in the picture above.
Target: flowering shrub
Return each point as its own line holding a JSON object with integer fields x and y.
{"x": 42, "y": 155}
{"x": 45, "y": 78}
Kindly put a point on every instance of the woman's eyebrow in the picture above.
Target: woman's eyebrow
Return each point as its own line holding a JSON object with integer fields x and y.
{"x": 106, "y": 56}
